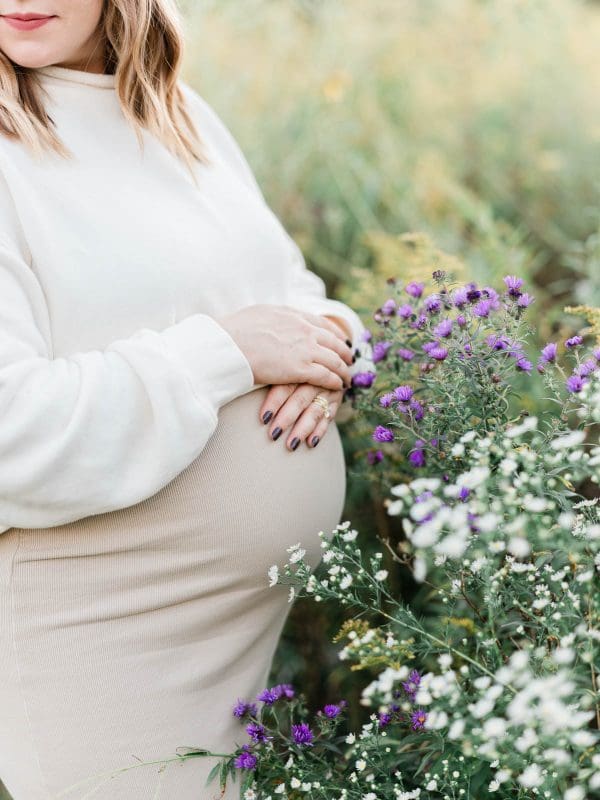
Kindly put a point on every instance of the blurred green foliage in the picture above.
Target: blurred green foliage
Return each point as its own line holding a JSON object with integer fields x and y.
{"x": 473, "y": 121}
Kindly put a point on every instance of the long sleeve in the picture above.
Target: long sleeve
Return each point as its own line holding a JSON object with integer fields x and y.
{"x": 103, "y": 429}
{"x": 305, "y": 289}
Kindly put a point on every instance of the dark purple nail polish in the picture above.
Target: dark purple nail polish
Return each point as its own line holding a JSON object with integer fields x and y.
{"x": 267, "y": 416}
{"x": 348, "y": 342}
{"x": 353, "y": 359}
{"x": 276, "y": 433}
{"x": 295, "y": 442}
{"x": 315, "y": 441}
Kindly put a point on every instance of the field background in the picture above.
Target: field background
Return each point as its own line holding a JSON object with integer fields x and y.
{"x": 476, "y": 122}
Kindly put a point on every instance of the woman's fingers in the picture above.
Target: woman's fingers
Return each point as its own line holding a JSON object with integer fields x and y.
{"x": 327, "y": 339}
{"x": 312, "y": 422}
{"x": 323, "y": 322}
{"x": 305, "y": 418}
{"x": 291, "y": 410}
{"x": 319, "y": 376}
{"x": 314, "y": 437}
{"x": 328, "y": 358}
{"x": 274, "y": 399}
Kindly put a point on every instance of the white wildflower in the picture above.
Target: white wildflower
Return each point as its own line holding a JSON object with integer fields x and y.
{"x": 297, "y": 555}
{"x": 273, "y": 575}
{"x": 531, "y": 777}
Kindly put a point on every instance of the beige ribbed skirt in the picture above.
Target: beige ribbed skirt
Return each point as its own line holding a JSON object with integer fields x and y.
{"x": 126, "y": 635}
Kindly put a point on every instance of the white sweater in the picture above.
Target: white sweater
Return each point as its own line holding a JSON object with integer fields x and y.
{"x": 112, "y": 269}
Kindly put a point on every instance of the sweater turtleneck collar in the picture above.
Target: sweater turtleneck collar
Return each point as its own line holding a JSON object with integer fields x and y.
{"x": 100, "y": 80}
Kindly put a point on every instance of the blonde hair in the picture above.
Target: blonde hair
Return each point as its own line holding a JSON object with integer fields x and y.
{"x": 143, "y": 41}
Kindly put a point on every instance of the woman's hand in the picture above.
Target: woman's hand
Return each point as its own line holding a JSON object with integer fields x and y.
{"x": 284, "y": 345}
{"x": 291, "y": 406}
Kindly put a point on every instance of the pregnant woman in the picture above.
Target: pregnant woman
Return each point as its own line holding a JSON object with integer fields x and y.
{"x": 170, "y": 372}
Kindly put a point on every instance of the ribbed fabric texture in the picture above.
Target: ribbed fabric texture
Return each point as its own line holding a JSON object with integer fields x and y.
{"x": 128, "y": 634}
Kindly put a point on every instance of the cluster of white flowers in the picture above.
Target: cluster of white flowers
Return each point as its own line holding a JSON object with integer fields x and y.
{"x": 504, "y": 513}
{"x": 514, "y": 555}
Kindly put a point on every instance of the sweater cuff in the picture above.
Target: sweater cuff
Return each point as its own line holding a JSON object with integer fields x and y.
{"x": 216, "y": 367}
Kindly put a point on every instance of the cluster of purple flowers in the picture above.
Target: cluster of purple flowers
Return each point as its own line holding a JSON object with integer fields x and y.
{"x": 246, "y": 759}
{"x": 446, "y": 325}
{"x": 583, "y": 369}
{"x": 417, "y": 716}
{"x": 301, "y": 734}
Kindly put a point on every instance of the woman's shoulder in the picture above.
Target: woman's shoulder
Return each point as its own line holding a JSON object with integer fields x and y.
{"x": 218, "y": 135}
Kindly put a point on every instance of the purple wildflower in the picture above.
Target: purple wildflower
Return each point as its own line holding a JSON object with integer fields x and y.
{"x": 374, "y": 457}
{"x": 463, "y": 495}
{"x": 414, "y": 289}
{"x": 418, "y": 719}
{"x": 366, "y": 335}
{"x": 491, "y": 294}
{"x": 460, "y": 297}
{"x": 284, "y": 690}
{"x": 525, "y": 300}
{"x": 420, "y": 322}
{"x": 417, "y": 456}
{"x": 257, "y": 732}
{"x": 405, "y": 311}
{"x": 363, "y": 379}
{"x": 389, "y": 308}
{"x": 385, "y": 400}
{"x": 444, "y": 329}
{"x": 332, "y": 710}
{"x": 472, "y": 520}
{"x": 268, "y": 696}
{"x": 302, "y": 734}
{"x": 412, "y": 684}
{"x": 405, "y": 354}
{"x": 439, "y": 353}
{"x": 246, "y": 759}
{"x": 403, "y": 394}
{"x": 384, "y": 719}
{"x": 429, "y": 346}
{"x": 383, "y": 434}
{"x": 524, "y": 365}
{"x": 575, "y": 384}
{"x": 242, "y": 709}
{"x": 574, "y": 341}
{"x": 473, "y": 293}
{"x": 433, "y": 303}
{"x": 497, "y": 341}
{"x": 417, "y": 409}
{"x": 461, "y": 320}
{"x": 426, "y": 495}
{"x": 380, "y": 350}
{"x": 483, "y": 308}
{"x": 549, "y": 352}
{"x": 586, "y": 368}
{"x": 513, "y": 285}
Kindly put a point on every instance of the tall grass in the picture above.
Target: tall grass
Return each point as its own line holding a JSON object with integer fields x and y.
{"x": 475, "y": 121}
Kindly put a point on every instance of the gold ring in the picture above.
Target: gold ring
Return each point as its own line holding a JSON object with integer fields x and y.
{"x": 324, "y": 403}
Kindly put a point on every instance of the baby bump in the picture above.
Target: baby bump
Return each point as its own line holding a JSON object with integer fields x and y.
{"x": 230, "y": 514}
